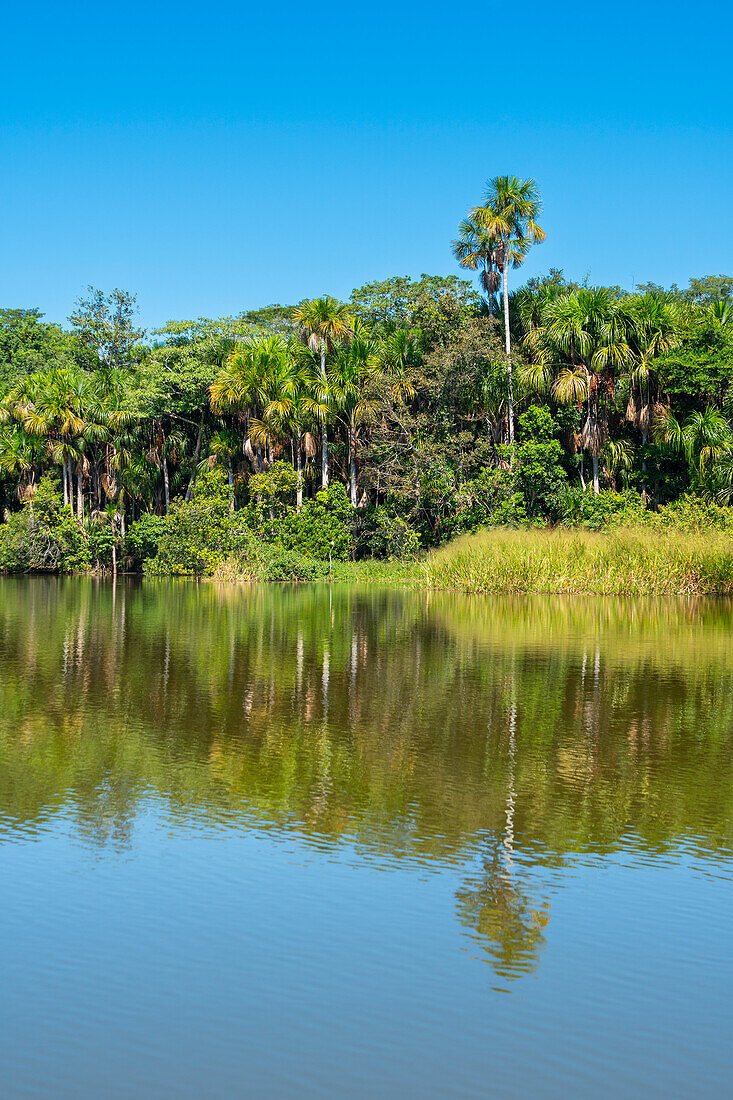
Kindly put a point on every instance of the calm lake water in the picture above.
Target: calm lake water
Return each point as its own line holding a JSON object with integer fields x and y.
{"x": 286, "y": 841}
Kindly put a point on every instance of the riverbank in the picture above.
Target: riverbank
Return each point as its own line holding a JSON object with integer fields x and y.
{"x": 624, "y": 562}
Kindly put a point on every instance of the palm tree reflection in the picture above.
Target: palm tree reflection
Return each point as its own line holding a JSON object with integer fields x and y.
{"x": 494, "y": 904}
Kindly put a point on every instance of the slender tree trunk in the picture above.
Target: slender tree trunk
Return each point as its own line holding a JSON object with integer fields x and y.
{"x": 166, "y": 490}
{"x": 299, "y": 471}
{"x": 66, "y": 484}
{"x": 231, "y": 484}
{"x": 508, "y": 348}
{"x": 324, "y": 437}
{"x": 643, "y": 466}
{"x": 324, "y": 456}
{"x": 196, "y": 455}
{"x": 352, "y": 466}
{"x": 596, "y": 480}
{"x": 582, "y": 470}
{"x": 79, "y": 494}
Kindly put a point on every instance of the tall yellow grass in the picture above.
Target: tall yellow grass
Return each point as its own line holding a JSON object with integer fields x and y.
{"x": 622, "y": 562}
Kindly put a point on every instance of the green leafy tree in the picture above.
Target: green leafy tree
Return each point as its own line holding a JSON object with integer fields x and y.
{"x": 105, "y": 324}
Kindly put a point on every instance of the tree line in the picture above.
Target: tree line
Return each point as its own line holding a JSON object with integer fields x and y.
{"x": 432, "y": 401}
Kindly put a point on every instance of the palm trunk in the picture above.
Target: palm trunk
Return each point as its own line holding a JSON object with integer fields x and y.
{"x": 508, "y": 348}
{"x": 596, "y": 480}
{"x": 352, "y": 467}
{"x": 299, "y": 471}
{"x": 324, "y": 457}
{"x": 196, "y": 454}
{"x": 79, "y": 494}
{"x": 324, "y": 437}
{"x": 66, "y": 484}
{"x": 166, "y": 491}
{"x": 582, "y": 470}
{"x": 231, "y": 484}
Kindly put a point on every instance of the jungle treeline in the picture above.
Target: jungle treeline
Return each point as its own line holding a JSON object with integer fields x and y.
{"x": 415, "y": 411}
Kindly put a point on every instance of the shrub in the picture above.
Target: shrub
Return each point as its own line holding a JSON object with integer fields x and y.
{"x": 539, "y": 474}
{"x": 144, "y": 535}
{"x": 694, "y": 513}
{"x": 382, "y": 534}
{"x": 43, "y": 536}
{"x": 489, "y": 500}
{"x": 271, "y": 496}
{"x": 198, "y": 535}
{"x": 596, "y": 512}
{"x": 323, "y": 524}
{"x": 262, "y": 561}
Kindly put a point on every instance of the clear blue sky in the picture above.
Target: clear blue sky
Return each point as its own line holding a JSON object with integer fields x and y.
{"x": 215, "y": 157}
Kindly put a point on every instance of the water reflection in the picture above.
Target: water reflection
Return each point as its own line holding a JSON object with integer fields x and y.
{"x": 500, "y": 737}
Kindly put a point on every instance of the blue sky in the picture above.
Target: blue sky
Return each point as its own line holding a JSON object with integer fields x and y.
{"x": 212, "y": 158}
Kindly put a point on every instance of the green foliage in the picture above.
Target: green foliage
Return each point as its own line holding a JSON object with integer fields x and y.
{"x": 489, "y": 500}
{"x": 539, "y": 473}
{"x": 271, "y": 494}
{"x": 144, "y": 535}
{"x": 434, "y": 304}
{"x": 261, "y": 561}
{"x": 322, "y": 525}
{"x": 43, "y": 536}
{"x": 104, "y": 323}
{"x": 27, "y": 344}
{"x": 694, "y": 513}
{"x": 596, "y": 512}
{"x": 382, "y": 534}
{"x": 218, "y": 433}
{"x": 199, "y": 534}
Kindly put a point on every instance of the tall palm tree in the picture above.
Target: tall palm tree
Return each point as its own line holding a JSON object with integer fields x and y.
{"x": 654, "y": 328}
{"x": 20, "y": 457}
{"x": 477, "y": 250}
{"x": 224, "y": 446}
{"x": 578, "y": 348}
{"x": 323, "y": 323}
{"x": 352, "y": 376}
{"x": 276, "y": 388}
{"x": 705, "y": 440}
{"x": 398, "y": 355}
{"x": 55, "y": 405}
{"x": 240, "y": 387}
{"x": 502, "y": 231}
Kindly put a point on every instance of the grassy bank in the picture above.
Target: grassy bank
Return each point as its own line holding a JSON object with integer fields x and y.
{"x": 623, "y": 562}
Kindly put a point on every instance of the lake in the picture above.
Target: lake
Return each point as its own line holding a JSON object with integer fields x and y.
{"x": 300, "y": 841}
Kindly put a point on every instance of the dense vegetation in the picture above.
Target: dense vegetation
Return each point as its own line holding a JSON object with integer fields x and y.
{"x": 417, "y": 411}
